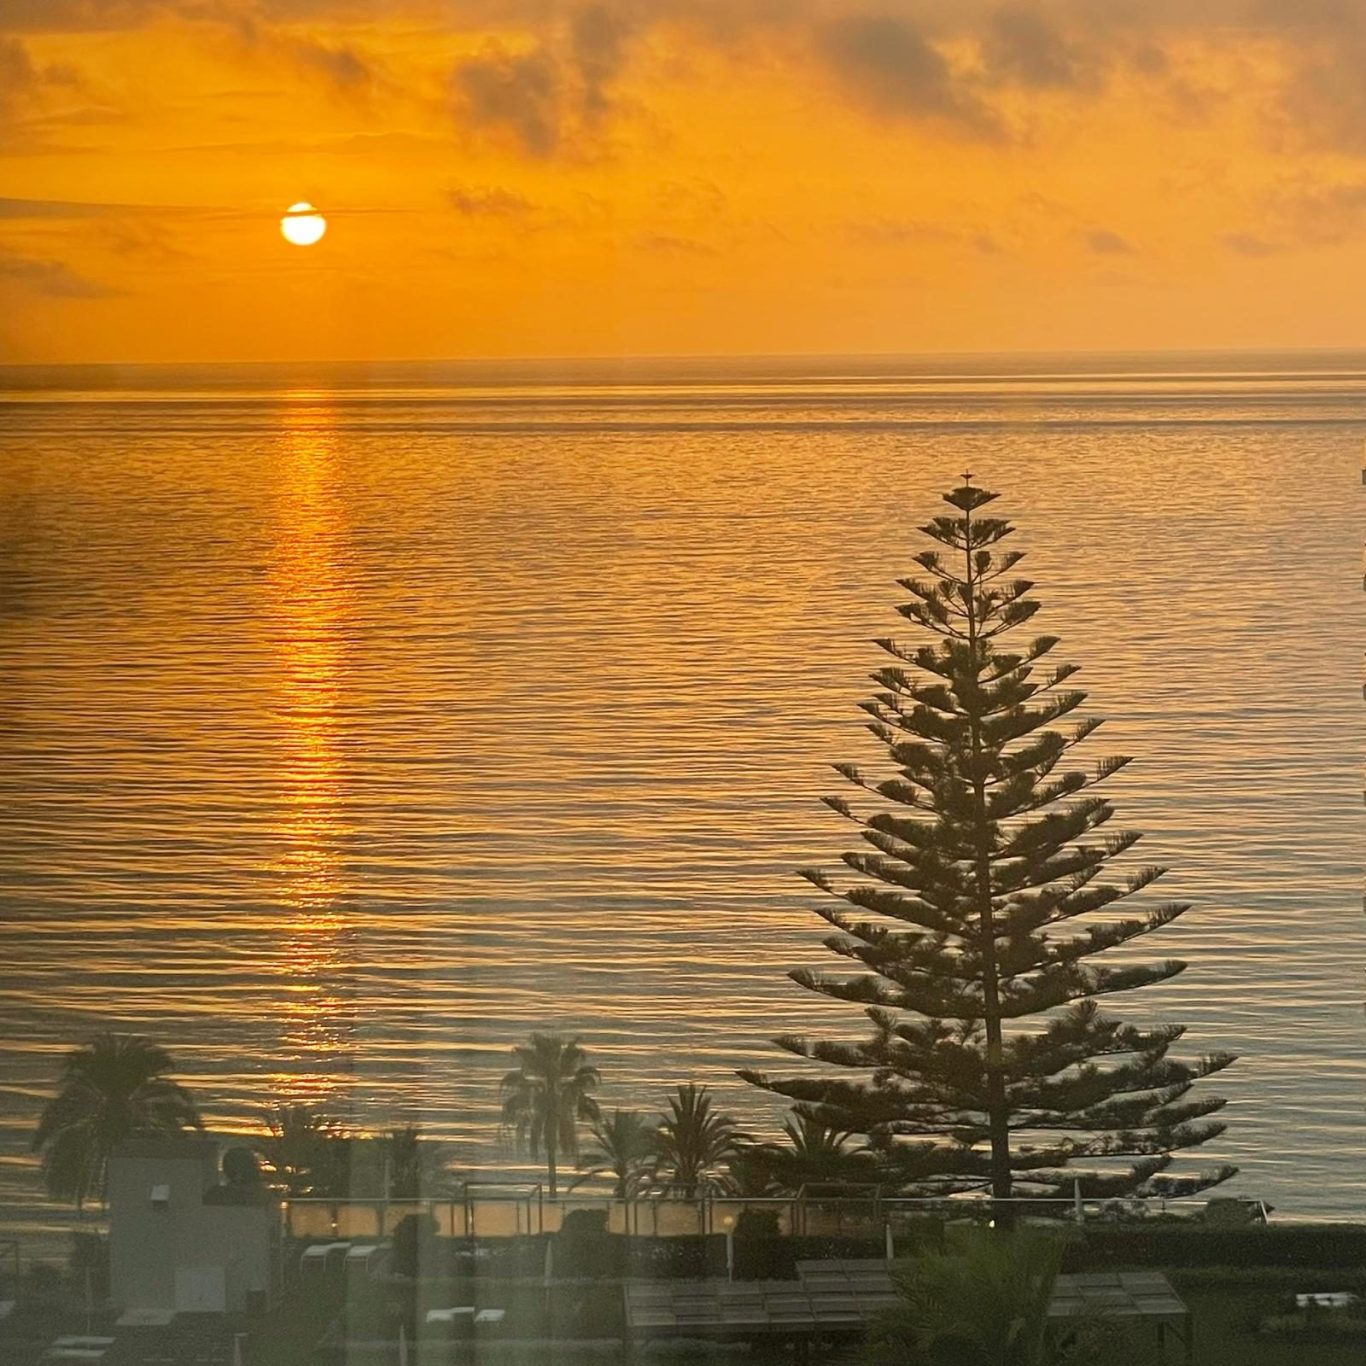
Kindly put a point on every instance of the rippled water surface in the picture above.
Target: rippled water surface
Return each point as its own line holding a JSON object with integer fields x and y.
{"x": 352, "y": 724}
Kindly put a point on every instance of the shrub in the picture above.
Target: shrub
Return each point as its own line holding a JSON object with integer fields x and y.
{"x": 1176, "y": 1245}
{"x": 1315, "y": 1325}
{"x": 775, "y": 1259}
{"x": 43, "y": 1281}
{"x": 584, "y": 1223}
{"x": 1302, "y": 1280}
{"x": 89, "y": 1264}
{"x": 414, "y": 1240}
{"x": 758, "y": 1223}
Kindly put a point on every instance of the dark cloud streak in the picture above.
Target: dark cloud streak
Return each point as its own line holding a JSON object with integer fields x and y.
{"x": 56, "y": 208}
{"x": 1019, "y": 45}
{"x": 548, "y": 78}
{"x": 1248, "y": 244}
{"x": 554, "y": 98}
{"x": 888, "y": 66}
{"x": 1106, "y": 243}
{"x": 519, "y": 93}
{"x": 51, "y": 279}
{"x": 598, "y": 40}
{"x": 489, "y": 201}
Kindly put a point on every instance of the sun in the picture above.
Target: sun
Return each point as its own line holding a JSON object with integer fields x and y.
{"x": 303, "y": 225}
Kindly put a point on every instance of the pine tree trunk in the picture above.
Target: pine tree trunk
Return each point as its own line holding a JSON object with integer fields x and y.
{"x": 550, "y": 1161}
{"x": 998, "y": 1113}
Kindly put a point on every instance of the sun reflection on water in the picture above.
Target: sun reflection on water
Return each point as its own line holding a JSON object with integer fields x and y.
{"x": 308, "y": 594}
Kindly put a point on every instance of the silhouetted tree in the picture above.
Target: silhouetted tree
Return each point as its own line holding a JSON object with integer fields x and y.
{"x": 984, "y": 1302}
{"x": 413, "y": 1166}
{"x": 113, "y": 1088}
{"x": 415, "y": 1243}
{"x": 242, "y": 1183}
{"x": 625, "y": 1143}
{"x": 308, "y": 1151}
{"x": 978, "y": 908}
{"x": 546, "y": 1096}
{"x": 813, "y": 1154}
{"x": 748, "y": 1175}
{"x": 693, "y": 1143}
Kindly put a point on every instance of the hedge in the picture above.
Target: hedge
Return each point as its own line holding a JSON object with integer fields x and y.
{"x": 1172, "y": 1245}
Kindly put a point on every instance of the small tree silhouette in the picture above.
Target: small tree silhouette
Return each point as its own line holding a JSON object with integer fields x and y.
{"x": 546, "y": 1096}
{"x": 113, "y": 1088}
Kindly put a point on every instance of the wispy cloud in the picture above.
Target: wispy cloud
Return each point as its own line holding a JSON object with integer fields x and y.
{"x": 552, "y": 98}
{"x": 906, "y": 231}
{"x": 671, "y": 244}
{"x": 598, "y": 43}
{"x": 1022, "y": 46}
{"x": 57, "y": 208}
{"x": 78, "y": 16}
{"x": 1249, "y": 244}
{"x": 22, "y": 78}
{"x": 520, "y": 93}
{"x": 489, "y": 201}
{"x": 1106, "y": 243}
{"x": 12, "y": 208}
{"x": 53, "y": 279}
{"x": 1322, "y": 213}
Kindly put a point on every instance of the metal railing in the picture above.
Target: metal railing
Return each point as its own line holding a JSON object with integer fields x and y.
{"x": 495, "y": 1210}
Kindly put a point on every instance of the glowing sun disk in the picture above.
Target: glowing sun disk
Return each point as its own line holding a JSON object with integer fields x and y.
{"x": 303, "y": 225}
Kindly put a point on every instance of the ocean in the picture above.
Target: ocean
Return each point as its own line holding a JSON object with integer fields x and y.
{"x": 357, "y": 720}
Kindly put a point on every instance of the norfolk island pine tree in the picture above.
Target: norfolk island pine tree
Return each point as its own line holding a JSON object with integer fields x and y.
{"x": 975, "y": 910}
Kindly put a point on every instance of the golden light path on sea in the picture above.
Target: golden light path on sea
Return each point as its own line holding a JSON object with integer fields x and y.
{"x": 307, "y": 593}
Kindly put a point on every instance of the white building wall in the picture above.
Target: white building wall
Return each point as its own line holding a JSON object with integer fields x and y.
{"x": 168, "y": 1250}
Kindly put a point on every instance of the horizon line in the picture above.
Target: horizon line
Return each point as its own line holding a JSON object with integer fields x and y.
{"x": 695, "y": 356}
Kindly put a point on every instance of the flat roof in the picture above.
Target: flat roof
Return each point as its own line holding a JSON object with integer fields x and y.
{"x": 1117, "y": 1294}
{"x": 832, "y": 1295}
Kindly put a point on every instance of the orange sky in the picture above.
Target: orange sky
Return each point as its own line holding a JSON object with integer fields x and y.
{"x": 526, "y": 177}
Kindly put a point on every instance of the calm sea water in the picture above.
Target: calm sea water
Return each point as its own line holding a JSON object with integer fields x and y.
{"x": 354, "y": 723}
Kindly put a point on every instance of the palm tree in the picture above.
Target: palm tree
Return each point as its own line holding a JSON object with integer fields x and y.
{"x": 113, "y": 1088}
{"x": 307, "y": 1149}
{"x": 694, "y": 1142}
{"x": 814, "y": 1154}
{"x": 546, "y": 1096}
{"x": 625, "y": 1143}
{"x": 984, "y": 1302}
{"x": 749, "y": 1175}
{"x": 415, "y": 1166}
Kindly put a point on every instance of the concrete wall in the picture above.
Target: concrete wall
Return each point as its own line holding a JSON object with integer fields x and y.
{"x": 181, "y": 1254}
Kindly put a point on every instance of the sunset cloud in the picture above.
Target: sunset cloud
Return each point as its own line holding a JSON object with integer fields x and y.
{"x": 22, "y": 79}
{"x": 520, "y": 93}
{"x": 1021, "y": 45}
{"x": 55, "y": 208}
{"x": 692, "y": 174}
{"x": 888, "y": 66}
{"x": 1107, "y": 243}
{"x": 489, "y": 201}
{"x": 1249, "y": 244}
{"x": 55, "y": 279}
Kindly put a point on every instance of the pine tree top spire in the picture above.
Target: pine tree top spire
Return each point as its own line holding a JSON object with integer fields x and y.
{"x": 968, "y": 499}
